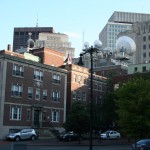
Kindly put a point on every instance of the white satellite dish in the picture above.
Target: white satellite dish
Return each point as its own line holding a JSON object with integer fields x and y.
{"x": 125, "y": 44}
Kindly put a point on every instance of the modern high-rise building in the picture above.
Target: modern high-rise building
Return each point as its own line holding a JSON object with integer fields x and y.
{"x": 21, "y": 35}
{"x": 119, "y": 22}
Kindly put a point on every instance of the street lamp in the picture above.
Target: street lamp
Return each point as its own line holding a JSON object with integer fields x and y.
{"x": 90, "y": 50}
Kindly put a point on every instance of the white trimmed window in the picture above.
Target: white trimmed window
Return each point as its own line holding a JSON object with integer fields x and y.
{"x": 55, "y": 116}
{"x": 16, "y": 90}
{"x": 56, "y": 96}
{"x": 30, "y": 92}
{"x": 18, "y": 70}
{"x": 44, "y": 94}
{"x": 15, "y": 113}
{"x": 56, "y": 78}
{"x": 38, "y": 75}
{"x": 37, "y": 94}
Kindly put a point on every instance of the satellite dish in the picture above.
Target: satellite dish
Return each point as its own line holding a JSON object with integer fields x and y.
{"x": 125, "y": 44}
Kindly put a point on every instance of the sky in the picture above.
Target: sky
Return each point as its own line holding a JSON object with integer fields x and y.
{"x": 82, "y": 20}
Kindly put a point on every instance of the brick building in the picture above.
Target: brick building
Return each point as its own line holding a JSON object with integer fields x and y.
{"x": 32, "y": 94}
{"x": 78, "y": 85}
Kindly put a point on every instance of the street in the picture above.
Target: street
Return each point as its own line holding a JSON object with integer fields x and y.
{"x": 29, "y": 147}
{"x": 55, "y": 145}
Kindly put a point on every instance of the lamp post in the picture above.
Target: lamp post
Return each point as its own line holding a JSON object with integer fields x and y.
{"x": 90, "y": 50}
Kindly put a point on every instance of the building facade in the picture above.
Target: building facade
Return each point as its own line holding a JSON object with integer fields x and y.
{"x": 119, "y": 22}
{"x": 32, "y": 94}
{"x": 140, "y": 34}
{"x": 55, "y": 41}
{"x": 79, "y": 87}
{"x": 21, "y": 35}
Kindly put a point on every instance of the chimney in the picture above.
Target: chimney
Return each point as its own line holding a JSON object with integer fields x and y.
{"x": 9, "y": 47}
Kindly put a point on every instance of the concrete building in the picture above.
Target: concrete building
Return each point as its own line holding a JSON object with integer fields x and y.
{"x": 21, "y": 35}
{"x": 55, "y": 41}
{"x": 119, "y": 22}
{"x": 140, "y": 34}
{"x": 32, "y": 94}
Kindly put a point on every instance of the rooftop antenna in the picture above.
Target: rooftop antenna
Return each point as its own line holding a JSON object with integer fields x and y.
{"x": 37, "y": 20}
{"x": 83, "y": 40}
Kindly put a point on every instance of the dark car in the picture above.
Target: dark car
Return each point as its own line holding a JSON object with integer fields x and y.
{"x": 68, "y": 136}
{"x": 142, "y": 145}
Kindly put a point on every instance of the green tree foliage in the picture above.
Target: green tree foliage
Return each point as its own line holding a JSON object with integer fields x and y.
{"x": 133, "y": 108}
{"x": 108, "y": 111}
{"x": 78, "y": 118}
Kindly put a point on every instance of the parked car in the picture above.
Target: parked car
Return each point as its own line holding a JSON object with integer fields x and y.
{"x": 109, "y": 134}
{"x": 68, "y": 136}
{"x": 143, "y": 144}
{"x": 22, "y": 135}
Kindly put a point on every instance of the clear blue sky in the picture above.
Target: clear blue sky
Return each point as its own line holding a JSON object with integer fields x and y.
{"x": 66, "y": 16}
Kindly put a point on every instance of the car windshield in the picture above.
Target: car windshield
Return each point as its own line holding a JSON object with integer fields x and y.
{"x": 14, "y": 131}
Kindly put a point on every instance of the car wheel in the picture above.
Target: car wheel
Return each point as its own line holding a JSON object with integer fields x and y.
{"x": 117, "y": 137}
{"x": 17, "y": 138}
{"x": 32, "y": 137}
{"x": 69, "y": 139}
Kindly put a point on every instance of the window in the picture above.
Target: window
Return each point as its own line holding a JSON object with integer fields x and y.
{"x": 95, "y": 85}
{"x": 74, "y": 78}
{"x": 18, "y": 70}
{"x": 144, "y": 68}
{"x": 144, "y": 55}
{"x": 55, "y": 96}
{"x": 38, "y": 75}
{"x": 84, "y": 95}
{"x": 56, "y": 78}
{"x": 135, "y": 69}
{"x": 55, "y": 116}
{"x": 15, "y": 113}
{"x": 28, "y": 114}
{"x": 16, "y": 90}
{"x": 144, "y": 38}
{"x": 79, "y": 79}
{"x": 144, "y": 46}
{"x": 30, "y": 92}
{"x": 79, "y": 95}
{"x": 37, "y": 94}
{"x": 44, "y": 94}
{"x": 74, "y": 95}
{"x": 44, "y": 116}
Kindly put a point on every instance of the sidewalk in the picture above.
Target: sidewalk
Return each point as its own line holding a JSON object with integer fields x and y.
{"x": 82, "y": 142}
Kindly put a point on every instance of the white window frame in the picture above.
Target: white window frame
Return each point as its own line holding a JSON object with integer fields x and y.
{"x": 30, "y": 92}
{"x": 15, "y": 113}
{"x": 16, "y": 90}
{"x": 55, "y": 117}
{"x": 38, "y": 75}
{"x": 18, "y": 70}
{"x": 44, "y": 94}
{"x": 37, "y": 94}
{"x": 28, "y": 114}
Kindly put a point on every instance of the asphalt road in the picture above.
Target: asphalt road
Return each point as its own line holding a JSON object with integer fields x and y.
{"x": 53, "y": 144}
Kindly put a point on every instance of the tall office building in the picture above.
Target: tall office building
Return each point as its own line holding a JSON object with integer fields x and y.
{"x": 56, "y": 41}
{"x": 21, "y": 35}
{"x": 119, "y": 22}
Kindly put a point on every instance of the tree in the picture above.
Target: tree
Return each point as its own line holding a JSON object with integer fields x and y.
{"x": 133, "y": 108}
{"x": 78, "y": 118}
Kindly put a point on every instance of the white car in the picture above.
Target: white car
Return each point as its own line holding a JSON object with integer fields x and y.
{"x": 110, "y": 135}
